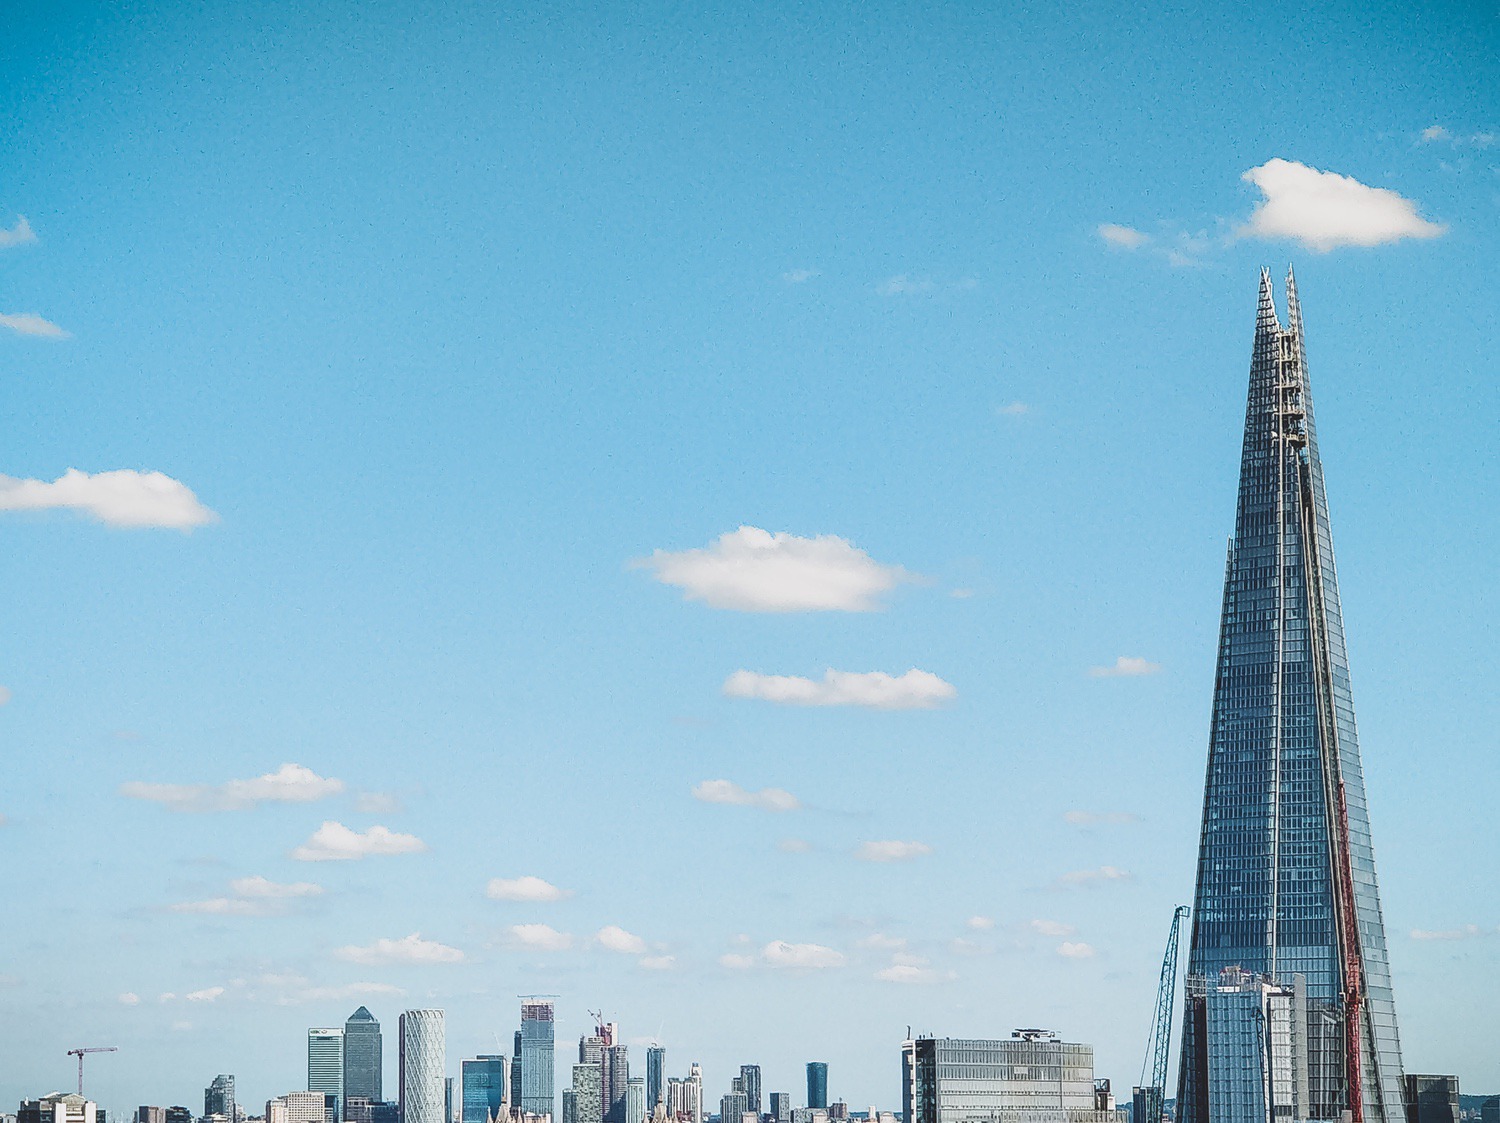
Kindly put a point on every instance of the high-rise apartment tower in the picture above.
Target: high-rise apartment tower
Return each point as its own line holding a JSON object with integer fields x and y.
{"x": 1286, "y": 884}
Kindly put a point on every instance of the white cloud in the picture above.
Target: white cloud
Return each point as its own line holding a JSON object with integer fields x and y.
{"x": 540, "y": 937}
{"x": 527, "y": 888}
{"x": 291, "y": 783}
{"x": 658, "y": 962}
{"x": 1467, "y": 932}
{"x": 736, "y": 962}
{"x": 260, "y": 887}
{"x": 1013, "y": 409}
{"x": 1325, "y": 210}
{"x": 122, "y": 498}
{"x": 727, "y": 791}
{"x": 794, "y": 846}
{"x": 1094, "y": 877}
{"x": 902, "y": 285}
{"x": 1457, "y": 140}
{"x": 911, "y": 975}
{"x": 914, "y": 690}
{"x": 1126, "y": 666}
{"x": 1075, "y": 951}
{"x": 615, "y": 938}
{"x": 1122, "y": 237}
{"x": 1100, "y": 818}
{"x": 754, "y": 570}
{"x": 407, "y": 950}
{"x": 1435, "y": 132}
{"x": 891, "y": 851}
{"x": 881, "y": 942}
{"x": 980, "y": 923}
{"x": 18, "y": 235}
{"x": 334, "y": 842}
{"x": 5, "y": 695}
{"x": 798, "y": 276}
{"x": 342, "y": 993}
{"x": 779, "y": 953}
{"x": 207, "y": 994}
{"x": 1053, "y": 928}
{"x": 129, "y": 998}
{"x": 29, "y": 323}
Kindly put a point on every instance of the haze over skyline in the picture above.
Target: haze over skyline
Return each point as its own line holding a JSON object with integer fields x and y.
{"x": 718, "y": 515}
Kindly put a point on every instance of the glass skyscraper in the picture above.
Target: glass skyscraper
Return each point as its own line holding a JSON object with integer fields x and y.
{"x": 423, "y": 1060}
{"x": 486, "y": 1088}
{"x": 362, "y": 1056}
{"x": 1286, "y": 869}
{"x": 325, "y": 1067}
{"x": 538, "y": 1089}
{"x": 656, "y": 1064}
{"x": 817, "y": 1084}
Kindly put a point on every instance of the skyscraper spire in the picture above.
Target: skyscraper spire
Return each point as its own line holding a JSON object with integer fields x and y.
{"x": 1286, "y": 888}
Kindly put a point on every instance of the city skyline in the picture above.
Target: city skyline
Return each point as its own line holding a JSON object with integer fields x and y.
{"x": 703, "y": 513}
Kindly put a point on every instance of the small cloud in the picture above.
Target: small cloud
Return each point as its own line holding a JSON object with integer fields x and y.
{"x": 376, "y": 803}
{"x": 345, "y": 993}
{"x": 539, "y": 937}
{"x": 408, "y": 950}
{"x": 129, "y": 998}
{"x": 879, "y": 941}
{"x": 1100, "y": 818}
{"x": 1435, "y": 132}
{"x": 122, "y": 498}
{"x": 737, "y": 962}
{"x": 914, "y": 690}
{"x": 754, "y": 570}
{"x": 1094, "y": 877}
{"x": 20, "y": 234}
{"x": 891, "y": 851}
{"x": 1325, "y": 210}
{"x": 794, "y": 846}
{"x": 1054, "y": 929}
{"x": 261, "y": 887}
{"x": 617, "y": 939}
{"x": 980, "y": 923}
{"x": 224, "y": 906}
{"x": 334, "y": 842}
{"x": 29, "y": 323}
{"x": 5, "y": 695}
{"x": 527, "y": 888}
{"x": 908, "y": 974}
{"x": 207, "y": 994}
{"x": 779, "y": 953}
{"x": 1075, "y": 951}
{"x": 1013, "y": 409}
{"x": 798, "y": 276}
{"x": 902, "y": 285}
{"x": 657, "y": 962}
{"x": 1122, "y": 237}
{"x": 1126, "y": 666}
{"x": 727, "y": 791}
{"x": 291, "y": 783}
{"x": 1467, "y": 932}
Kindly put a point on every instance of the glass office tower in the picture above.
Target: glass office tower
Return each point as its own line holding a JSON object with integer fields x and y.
{"x": 1286, "y": 869}
{"x": 537, "y": 1083}
{"x": 422, "y": 1062}
{"x": 363, "y": 1057}
{"x": 817, "y": 1084}
{"x": 486, "y": 1088}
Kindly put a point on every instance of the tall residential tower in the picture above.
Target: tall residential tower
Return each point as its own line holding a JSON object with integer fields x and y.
{"x": 1286, "y": 890}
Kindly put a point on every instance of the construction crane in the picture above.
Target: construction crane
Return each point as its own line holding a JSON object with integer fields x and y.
{"x": 80, "y": 1052}
{"x": 1149, "y": 1097}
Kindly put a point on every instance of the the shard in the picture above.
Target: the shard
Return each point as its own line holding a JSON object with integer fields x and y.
{"x": 1286, "y": 887}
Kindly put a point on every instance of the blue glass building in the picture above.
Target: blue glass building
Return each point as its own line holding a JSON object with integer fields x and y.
{"x": 817, "y": 1084}
{"x": 538, "y": 1087}
{"x": 486, "y": 1088}
{"x": 1286, "y": 869}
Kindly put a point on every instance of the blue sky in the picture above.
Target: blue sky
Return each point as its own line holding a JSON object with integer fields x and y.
{"x": 452, "y": 320}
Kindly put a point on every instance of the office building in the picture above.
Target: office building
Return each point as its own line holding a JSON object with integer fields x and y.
{"x": 569, "y": 1106}
{"x": 297, "y": 1107}
{"x": 218, "y": 1097}
{"x": 781, "y": 1107}
{"x": 615, "y": 1080}
{"x": 179, "y": 1114}
{"x": 656, "y": 1064}
{"x": 363, "y": 1057}
{"x": 58, "y": 1107}
{"x": 1489, "y": 1110}
{"x": 422, "y": 1064}
{"x": 1256, "y": 1038}
{"x": 588, "y": 1092}
{"x": 485, "y": 1094}
{"x": 635, "y": 1099}
{"x": 359, "y": 1109}
{"x": 750, "y": 1078}
{"x": 732, "y": 1107}
{"x": 537, "y": 1088}
{"x": 1286, "y": 871}
{"x": 1030, "y": 1077}
{"x": 515, "y": 1071}
{"x": 1433, "y": 1099}
{"x": 146, "y": 1114}
{"x": 325, "y": 1065}
{"x": 817, "y": 1085}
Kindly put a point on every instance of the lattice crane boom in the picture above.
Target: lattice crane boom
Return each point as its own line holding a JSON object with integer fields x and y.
{"x": 85, "y": 1049}
{"x": 1150, "y": 1096}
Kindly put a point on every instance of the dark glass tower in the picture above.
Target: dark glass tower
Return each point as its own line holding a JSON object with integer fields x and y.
{"x": 538, "y": 1093}
{"x": 1286, "y": 869}
{"x": 362, "y": 1056}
